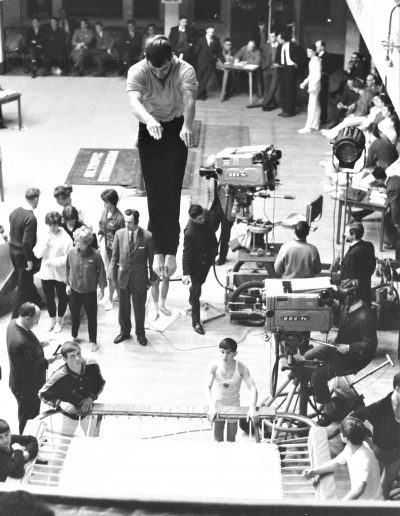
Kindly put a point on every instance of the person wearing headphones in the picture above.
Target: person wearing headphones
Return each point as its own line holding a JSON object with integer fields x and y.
{"x": 356, "y": 343}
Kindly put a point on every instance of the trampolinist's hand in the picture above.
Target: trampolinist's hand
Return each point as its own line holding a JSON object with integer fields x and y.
{"x": 154, "y": 128}
{"x": 186, "y": 136}
{"x": 212, "y": 414}
{"x": 252, "y": 414}
{"x": 100, "y": 295}
{"x": 186, "y": 280}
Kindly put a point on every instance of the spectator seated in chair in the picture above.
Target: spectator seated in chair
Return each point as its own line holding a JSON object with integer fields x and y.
{"x": 103, "y": 50}
{"x": 36, "y": 45}
{"x": 55, "y": 47}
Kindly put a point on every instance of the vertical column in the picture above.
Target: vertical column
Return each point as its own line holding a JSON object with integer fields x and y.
{"x": 127, "y": 9}
{"x": 56, "y": 6}
{"x": 171, "y": 17}
{"x": 2, "y": 53}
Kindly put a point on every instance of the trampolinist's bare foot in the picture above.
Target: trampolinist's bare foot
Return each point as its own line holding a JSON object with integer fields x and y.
{"x": 155, "y": 315}
{"x": 159, "y": 264}
{"x": 164, "y": 310}
{"x": 170, "y": 265}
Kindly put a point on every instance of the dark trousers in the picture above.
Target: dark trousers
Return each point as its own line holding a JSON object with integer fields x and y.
{"x": 36, "y": 56}
{"x": 323, "y": 98}
{"x": 56, "y": 59}
{"x": 289, "y": 88}
{"x": 100, "y": 57}
{"x": 203, "y": 76}
{"x": 272, "y": 87}
{"x": 197, "y": 281}
{"x": 126, "y": 59}
{"x": 392, "y": 234}
{"x": 139, "y": 297}
{"x": 163, "y": 165}
{"x": 337, "y": 364}
{"x": 89, "y": 302}
{"x": 26, "y": 288}
{"x": 28, "y": 408}
{"x": 50, "y": 289}
{"x": 80, "y": 58}
{"x": 218, "y": 217}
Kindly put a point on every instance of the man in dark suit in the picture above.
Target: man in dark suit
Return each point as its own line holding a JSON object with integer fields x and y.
{"x": 288, "y": 58}
{"x": 359, "y": 262}
{"x": 103, "y": 50}
{"x": 55, "y": 48}
{"x": 207, "y": 51}
{"x": 199, "y": 250}
{"x": 28, "y": 364}
{"x": 131, "y": 269}
{"x": 129, "y": 48}
{"x": 35, "y": 43}
{"x": 182, "y": 38}
{"x": 391, "y": 179}
{"x": 271, "y": 72}
{"x": 23, "y": 229}
{"x": 325, "y": 71}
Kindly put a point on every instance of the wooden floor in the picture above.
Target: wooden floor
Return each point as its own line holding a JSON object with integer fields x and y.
{"x": 62, "y": 115}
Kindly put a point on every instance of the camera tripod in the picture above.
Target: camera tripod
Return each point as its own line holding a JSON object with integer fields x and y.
{"x": 294, "y": 395}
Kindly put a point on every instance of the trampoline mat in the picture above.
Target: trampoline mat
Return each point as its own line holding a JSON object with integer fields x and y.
{"x": 191, "y": 471}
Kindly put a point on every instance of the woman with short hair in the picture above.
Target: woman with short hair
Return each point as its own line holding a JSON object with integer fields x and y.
{"x": 53, "y": 248}
{"x": 111, "y": 220}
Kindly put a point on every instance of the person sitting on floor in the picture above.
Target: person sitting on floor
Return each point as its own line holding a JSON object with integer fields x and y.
{"x": 15, "y": 452}
{"x": 363, "y": 466}
{"x": 384, "y": 416}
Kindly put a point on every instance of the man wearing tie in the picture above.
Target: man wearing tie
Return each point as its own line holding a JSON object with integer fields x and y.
{"x": 288, "y": 58}
{"x": 270, "y": 71}
{"x": 130, "y": 48}
{"x": 131, "y": 269}
{"x": 359, "y": 262}
{"x": 207, "y": 51}
{"x": 325, "y": 70}
{"x": 182, "y": 38}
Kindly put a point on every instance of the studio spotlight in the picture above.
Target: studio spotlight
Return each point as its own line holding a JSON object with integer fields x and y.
{"x": 348, "y": 146}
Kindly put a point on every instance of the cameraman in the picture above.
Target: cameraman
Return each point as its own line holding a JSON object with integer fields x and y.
{"x": 356, "y": 343}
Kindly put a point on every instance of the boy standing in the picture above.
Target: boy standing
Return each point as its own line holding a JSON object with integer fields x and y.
{"x": 228, "y": 375}
{"x": 85, "y": 271}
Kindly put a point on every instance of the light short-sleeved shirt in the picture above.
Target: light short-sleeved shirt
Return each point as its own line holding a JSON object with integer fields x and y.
{"x": 163, "y": 100}
{"x": 363, "y": 467}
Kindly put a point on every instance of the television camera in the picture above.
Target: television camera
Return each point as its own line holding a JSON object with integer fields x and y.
{"x": 243, "y": 173}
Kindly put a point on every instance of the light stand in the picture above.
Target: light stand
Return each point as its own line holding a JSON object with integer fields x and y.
{"x": 348, "y": 147}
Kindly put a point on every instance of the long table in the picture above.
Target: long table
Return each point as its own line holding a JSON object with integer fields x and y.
{"x": 362, "y": 205}
{"x": 13, "y": 97}
{"x": 250, "y": 69}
